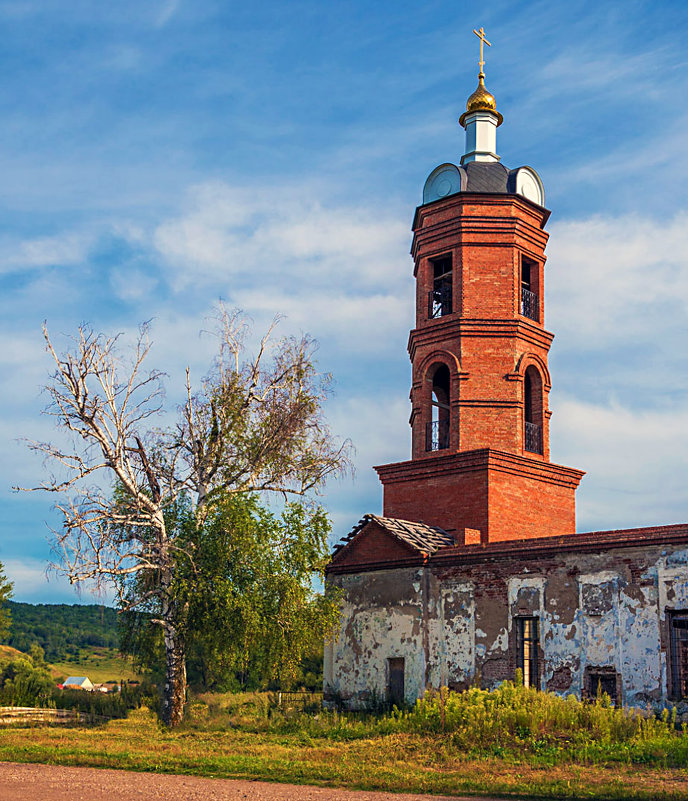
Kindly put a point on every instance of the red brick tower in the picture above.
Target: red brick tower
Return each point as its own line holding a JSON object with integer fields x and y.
{"x": 480, "y": 464}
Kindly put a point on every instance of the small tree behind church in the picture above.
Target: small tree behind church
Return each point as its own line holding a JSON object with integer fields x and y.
{"x": 135, "y": 497}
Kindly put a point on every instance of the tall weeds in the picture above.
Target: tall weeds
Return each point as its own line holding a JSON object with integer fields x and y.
{"x": 513, "y": 722}
{"x": 516, "y": 719}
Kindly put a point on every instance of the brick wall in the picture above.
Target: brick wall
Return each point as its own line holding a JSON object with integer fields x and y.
{"x": 505, "y": 496}
{"x": 487, "y": 346}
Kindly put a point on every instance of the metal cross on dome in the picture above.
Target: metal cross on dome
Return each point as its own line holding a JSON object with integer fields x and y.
{"x": 481, "y": 35}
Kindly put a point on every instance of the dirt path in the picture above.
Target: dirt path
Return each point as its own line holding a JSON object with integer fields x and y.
{"x": 20, "y": 782}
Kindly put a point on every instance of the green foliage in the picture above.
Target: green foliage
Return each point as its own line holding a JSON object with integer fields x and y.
{"x": 62, "y": 630}
{"x": 512, "y": 722}
{"x": 6, "y": 588}
{"x": 26, "y": 680}
{"x": 244, "y": 578}
{"x": 514, "y": 718}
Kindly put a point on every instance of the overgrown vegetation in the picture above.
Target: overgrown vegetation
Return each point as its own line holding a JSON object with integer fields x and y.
{"x": 510, "y": 742}
{"x": 512, "y": 722}
{"x": 64, "y": 631}
{"x": 26, "y": 680}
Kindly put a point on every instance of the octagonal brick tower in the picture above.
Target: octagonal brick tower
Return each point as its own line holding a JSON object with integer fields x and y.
{"x": 480, "y": 464}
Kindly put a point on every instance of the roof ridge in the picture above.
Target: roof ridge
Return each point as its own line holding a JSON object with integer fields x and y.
{"x": 421, "y": 536}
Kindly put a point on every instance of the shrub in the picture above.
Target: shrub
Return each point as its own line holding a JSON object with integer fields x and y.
{"x": 514, "y": 719}
{"x": 26, "y": 680}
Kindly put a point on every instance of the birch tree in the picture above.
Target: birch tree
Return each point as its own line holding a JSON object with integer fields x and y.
{"x": 254, "y": 424}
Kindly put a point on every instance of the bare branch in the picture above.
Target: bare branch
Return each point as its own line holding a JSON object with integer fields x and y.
{"x": 131, "y": 496}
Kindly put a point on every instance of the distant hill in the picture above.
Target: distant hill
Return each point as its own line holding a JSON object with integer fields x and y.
{"x": 7, "y": 652}
{"x": 62, "y": 630}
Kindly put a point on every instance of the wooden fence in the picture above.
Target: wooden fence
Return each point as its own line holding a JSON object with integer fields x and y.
{"x": 31, "y": 714}
{"x": 296, "y": 700}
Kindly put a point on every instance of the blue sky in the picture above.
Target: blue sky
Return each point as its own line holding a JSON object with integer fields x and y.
{"x": 157, "y": 156}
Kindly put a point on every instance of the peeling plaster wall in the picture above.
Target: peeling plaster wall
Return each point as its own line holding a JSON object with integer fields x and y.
{"x": 381, "y": 618}
{"x": 455, "y": 637}
{"x": 455, "y": 625}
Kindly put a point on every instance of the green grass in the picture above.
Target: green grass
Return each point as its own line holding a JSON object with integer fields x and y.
{"x": 512, "y": 741}
{"x": 402, "y": 762}
{"x": 99, "y": 664}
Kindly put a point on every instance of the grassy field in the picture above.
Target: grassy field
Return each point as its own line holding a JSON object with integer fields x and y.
{"x": 99, "y": 664}
{"x": 242, "y": 737}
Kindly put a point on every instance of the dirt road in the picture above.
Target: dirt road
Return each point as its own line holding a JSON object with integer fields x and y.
{"x": 19, "y": 782}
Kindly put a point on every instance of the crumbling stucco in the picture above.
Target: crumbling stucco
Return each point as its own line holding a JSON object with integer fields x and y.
{"x": 454, "y": 626}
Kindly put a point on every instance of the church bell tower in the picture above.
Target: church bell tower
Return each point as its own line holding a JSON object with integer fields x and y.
{"x": 480, "y": 465}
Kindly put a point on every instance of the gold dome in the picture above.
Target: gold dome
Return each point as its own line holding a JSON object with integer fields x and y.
{"x": 481, "y": 100}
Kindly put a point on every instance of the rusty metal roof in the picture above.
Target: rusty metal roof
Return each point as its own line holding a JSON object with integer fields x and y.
{"x": 420, "y": 536}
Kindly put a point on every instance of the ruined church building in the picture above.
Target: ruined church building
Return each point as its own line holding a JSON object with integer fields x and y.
{"x": 475, "y": 568}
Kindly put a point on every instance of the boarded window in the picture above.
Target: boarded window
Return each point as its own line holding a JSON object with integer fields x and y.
{"x": 598, "y": 599}
{"x": 600, "y": 681}
{"x": 678, "y": 635}
{"x": 527, "y": 649}
{"x": 395, "y": 681}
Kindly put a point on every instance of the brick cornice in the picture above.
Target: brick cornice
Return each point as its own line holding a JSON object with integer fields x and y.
{"x": 548, "y": 546}
{"x": 495, "y": 220}
{"x": 542, "y": 548}
{"x": 479, "y": 460}
{"x": 365, "y": 567}
{"x": 538, "y": 214}
{"x": 488, "y": 403}
{"x": 437, "y": 333}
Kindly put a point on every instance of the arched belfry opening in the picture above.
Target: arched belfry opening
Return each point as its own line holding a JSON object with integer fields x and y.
{"x": 438, "y": 427}
{"x": 533, "y": 410}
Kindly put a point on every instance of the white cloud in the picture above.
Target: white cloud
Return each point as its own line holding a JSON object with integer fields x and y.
{"x": 636, "y": 462}
{"x": 49, "y": 251}
{"x": 335, "y": 272}
{"x": 617, "y": 295}
{"x": 132, "y": 283}
{"x": 252, "y": 235}
{"x": 377, "y": 424}
{"x": 167, "y": 10}
{"x": 618, "y": 280}
{"x": 358, "y": 323}
{"x": 35, "y": 583}
{"x": 124, "y": 58}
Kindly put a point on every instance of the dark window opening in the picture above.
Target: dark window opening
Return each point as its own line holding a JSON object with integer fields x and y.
{"x": 678, "y": 636}
{"x": 601, "y": 681}
{"x": 440, "y": 296}
{"x": 437, "y": 428}
{"x": 529, "y": 297}
{"x": 395, "y": 681}
{"x": 533, "y": 408}
{"x": 527, "y": 650}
